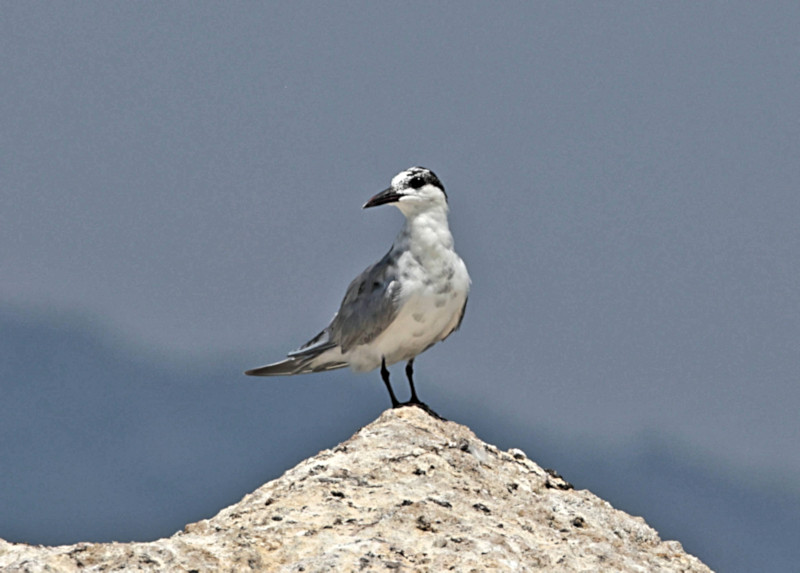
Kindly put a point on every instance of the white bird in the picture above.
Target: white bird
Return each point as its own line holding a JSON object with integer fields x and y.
{"x": 412, "y": 298}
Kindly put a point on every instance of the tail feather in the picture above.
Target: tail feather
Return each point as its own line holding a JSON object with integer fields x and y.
{"x": 314, "y": 347}
{"x": 296, "y": 365}
{"x": 306, "y": 359}
{"x": 283, "y": 368}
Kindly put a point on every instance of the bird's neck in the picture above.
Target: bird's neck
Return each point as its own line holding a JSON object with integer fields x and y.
{"x": 426, "y": 233}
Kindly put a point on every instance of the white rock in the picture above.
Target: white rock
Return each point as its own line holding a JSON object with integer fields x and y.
{"x": 407, "y": 493}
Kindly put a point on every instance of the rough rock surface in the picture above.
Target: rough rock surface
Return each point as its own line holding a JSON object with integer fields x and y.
{"x": 406, "y": 493}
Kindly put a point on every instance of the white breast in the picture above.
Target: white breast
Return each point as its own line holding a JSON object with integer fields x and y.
{"x": 428, "y": 312}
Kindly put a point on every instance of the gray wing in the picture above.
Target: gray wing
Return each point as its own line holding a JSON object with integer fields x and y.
{"x": 369, "y": 305}
{"x": 367, "y": 309}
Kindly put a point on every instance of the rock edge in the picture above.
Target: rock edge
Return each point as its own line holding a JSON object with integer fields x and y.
{"x": 408, "y": 492}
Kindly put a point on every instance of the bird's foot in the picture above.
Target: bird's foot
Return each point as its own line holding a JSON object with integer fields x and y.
{"x": 421, "y": 405}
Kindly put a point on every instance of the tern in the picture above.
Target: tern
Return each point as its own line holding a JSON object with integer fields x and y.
{"x": 414, "y": 297}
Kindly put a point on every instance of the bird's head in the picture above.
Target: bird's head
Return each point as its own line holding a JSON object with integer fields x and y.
{"x": 414, "y": 190}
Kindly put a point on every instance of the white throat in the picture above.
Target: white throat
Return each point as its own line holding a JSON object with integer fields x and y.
{"x": 425, "y": 232}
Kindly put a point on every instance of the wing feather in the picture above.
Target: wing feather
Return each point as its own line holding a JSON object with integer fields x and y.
{"x": 369, "y": 305}
{"x": 368, "y": 308}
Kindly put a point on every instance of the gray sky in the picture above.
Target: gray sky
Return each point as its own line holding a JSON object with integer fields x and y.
{"x": 623, "y": 181}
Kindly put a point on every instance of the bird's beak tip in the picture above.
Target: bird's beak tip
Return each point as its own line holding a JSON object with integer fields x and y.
{"x": 386, "y": 196}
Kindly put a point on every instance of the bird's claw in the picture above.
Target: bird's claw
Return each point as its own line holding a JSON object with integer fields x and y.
{"x": 421, "y": 405}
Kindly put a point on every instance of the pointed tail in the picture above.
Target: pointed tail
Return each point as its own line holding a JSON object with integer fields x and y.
{"x": 299, "y": 364}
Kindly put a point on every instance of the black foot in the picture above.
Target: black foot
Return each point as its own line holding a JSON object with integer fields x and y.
{"x": 422, "y": 406}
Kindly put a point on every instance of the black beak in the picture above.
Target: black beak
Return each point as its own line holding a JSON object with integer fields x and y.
{"x": 386, "y": 196}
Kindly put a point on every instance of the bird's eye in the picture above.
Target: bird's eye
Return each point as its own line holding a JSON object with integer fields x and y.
{"x": 416, "y": 182}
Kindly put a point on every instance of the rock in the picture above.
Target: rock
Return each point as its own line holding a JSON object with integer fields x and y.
{"x": 405, "y": 493}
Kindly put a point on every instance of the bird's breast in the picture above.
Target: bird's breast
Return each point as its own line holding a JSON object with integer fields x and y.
{"x": 429, "y": 307}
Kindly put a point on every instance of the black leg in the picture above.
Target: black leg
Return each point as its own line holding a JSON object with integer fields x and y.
{"x": 414, "y": 401}
{"x": 410, "y": 376}
{"x": 385, "y": 376}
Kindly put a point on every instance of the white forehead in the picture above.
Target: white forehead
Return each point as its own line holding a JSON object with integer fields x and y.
{"x": 399, "y": 178}
{"x": 404, "y": 176}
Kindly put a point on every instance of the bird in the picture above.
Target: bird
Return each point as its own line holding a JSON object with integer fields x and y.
{"x": 399, "y": 307}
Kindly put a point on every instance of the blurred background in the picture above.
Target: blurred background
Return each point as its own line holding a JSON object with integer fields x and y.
{"x": 181, "y": 187}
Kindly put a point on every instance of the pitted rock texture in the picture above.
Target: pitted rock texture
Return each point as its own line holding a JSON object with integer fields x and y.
{"x": 405, "y": 493}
